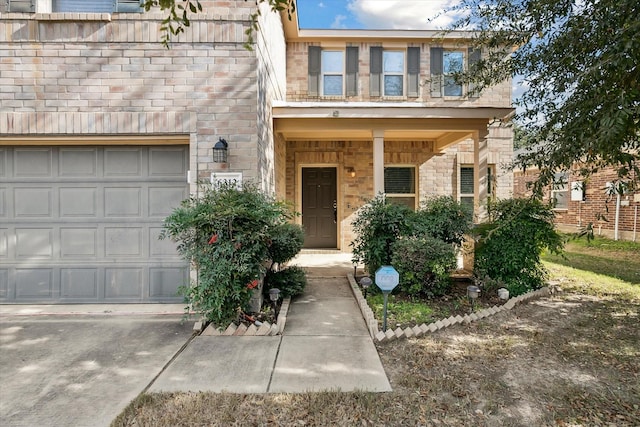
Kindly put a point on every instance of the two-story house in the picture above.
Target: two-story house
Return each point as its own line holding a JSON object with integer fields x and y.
{"x": 103, "y": 131}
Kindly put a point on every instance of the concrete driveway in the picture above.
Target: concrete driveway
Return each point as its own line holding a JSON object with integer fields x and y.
{"x": 59, "y": 368}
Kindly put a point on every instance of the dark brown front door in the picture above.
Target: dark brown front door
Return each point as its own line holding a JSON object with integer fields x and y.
{"x": 319, "y": 207}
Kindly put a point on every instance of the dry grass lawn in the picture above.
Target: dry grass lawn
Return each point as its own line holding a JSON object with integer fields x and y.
{"x": 572, "y": 359}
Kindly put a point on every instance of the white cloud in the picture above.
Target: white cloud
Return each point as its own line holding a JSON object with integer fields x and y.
{"x": 321, "y": 5}
{"x": 338, "y": 22}
{"x": 402, "y": 14}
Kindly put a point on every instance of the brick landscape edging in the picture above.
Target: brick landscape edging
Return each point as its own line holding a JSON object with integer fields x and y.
{"x": 380, "y": 336}
{"x": 242, "y": 330}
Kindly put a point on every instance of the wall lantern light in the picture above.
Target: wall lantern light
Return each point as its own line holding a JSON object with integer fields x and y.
{"x": 351, "y": 172}
{"x": 220, "y": 151}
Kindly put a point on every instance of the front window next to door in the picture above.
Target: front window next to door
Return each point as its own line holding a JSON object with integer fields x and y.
{"x": 466, "y": 190}
{"x": 400, "y": 185}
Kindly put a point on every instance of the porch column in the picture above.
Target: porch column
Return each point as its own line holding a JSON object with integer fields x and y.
{"x": 378, "y": 162}
{"x": 480, "y": 153}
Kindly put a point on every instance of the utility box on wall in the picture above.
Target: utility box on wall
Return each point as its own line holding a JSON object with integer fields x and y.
{"x": 577, "y": 191}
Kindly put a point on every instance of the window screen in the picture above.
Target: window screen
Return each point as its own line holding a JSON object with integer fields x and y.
{"x": 399, "y": 180}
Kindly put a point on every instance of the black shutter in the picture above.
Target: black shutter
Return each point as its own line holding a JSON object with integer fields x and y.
{"x": 375, "y": 71}
{"x": 436, "y": 72}
{"x": 473, "y": 57}
{"x": 352, "y": 71}
{"x": 314, "y": 70}
{"x": 413, "y": 70}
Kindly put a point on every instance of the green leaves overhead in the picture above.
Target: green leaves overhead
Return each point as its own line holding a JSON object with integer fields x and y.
{"x": 579, "y": 61}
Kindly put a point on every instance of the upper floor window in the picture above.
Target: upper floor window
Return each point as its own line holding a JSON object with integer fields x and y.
{"x": 452, "y": 62}
{"x": 333, "y": 72}
{"x": 394, "y": 72}
{"x": 445, "y": 64}
{"x": 77, "y": 6}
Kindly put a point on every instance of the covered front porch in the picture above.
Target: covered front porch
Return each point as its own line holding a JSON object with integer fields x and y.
{"x": 331, "y": 159}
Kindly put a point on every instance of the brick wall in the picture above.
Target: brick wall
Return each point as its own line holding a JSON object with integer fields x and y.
{"x": 107, "y": 74}
{"x": 297, "y": 79}
{"x": 596, "y": 203}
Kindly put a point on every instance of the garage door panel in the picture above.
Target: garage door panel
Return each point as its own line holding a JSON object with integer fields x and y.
{"x": 78, "y": 202}
{"x": 34, "y": 243}
{"x": 164, "y": 282}
{"x": 4, "y": 243}
{"x": 32, "y": 162}
{"x": 160, "y": 248}
{"x": 3, "y": 202}
{"x": 78, "y": 243}
{"x": 4, "y": 283}
{"x": 119, "y": 162}
{"x": 3, "y": 163}
{"x": 162, "y": 162}
{"x": 122, "y": 201}
{"x": 32, "y": 202}
{"x": 122, "y": 283}
{"x": 162, "y": 200}
{"x": 78, "y": 162}
{"x": 34, "y": 283}
{"x": 81, "y": 224}
{"x": 123, "y": 242}
{"x": 79, "y": 283}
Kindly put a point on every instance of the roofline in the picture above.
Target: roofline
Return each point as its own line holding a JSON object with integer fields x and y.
{"x": 293, "y": 32}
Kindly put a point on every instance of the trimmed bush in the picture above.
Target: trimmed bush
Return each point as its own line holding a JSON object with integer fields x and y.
{"x": 286, "y": 241}
{"x": 377, "y": 227}
{"x": 424, "y": 264}
{"x": 226, "y": 234}
{"x": 443, "y": 218}
{"x": 291, "y": 281}
{"x": 509, "y": 246}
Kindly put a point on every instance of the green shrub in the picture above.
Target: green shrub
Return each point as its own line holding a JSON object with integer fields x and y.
{"x": 509, "y": 245}
{"x": 286, "y": 241}
{"x": 424, "y": 264}
{"x": 442, "y": 217}
{"x": 377, "y": 227}
{"x": 291, "y": 281}
{"x": 225, "y": 233}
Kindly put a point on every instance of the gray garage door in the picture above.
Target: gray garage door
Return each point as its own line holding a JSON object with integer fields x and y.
{"x": 81, "y": 224}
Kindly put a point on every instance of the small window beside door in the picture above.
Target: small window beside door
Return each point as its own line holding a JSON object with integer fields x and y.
{"x": 400, "y": 185}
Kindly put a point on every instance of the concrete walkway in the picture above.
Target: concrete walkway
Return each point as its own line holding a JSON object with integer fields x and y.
{"x": 325, "y": 345}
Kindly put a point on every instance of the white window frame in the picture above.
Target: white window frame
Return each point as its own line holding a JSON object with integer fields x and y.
{"x": 323, "y": 73}
{"x": 402, "y": 74}
{"x": 560, "y": 186}
{"x": 407, "y": 195}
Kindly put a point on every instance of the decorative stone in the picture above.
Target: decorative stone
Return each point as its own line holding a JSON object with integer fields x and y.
{"x": 433, "y": 327}
{"x": 510, "y": 304}
{"x": 211, "y": 331}
{"x": 197, "y": 327}
{"x": 399, "y": 332}
{"x": 390, "y": 335}
{"x": 263, "y": 329}
{"x": 251, "y": 330}
{"x": 408, "y": 332}
{"x": 240, "y": 330}
{"x": 417, "y": 331}
{"x": 473, "y": 317}
{"x": 381, "y": 336}
{"x": 439, "y": 324}
{"x": 459, "y": 319}
{"x": 425, "y": 328}
{"x": 231, "y": 329}
{"x": 274, "y": 330}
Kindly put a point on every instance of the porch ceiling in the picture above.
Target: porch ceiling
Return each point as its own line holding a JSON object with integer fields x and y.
{"x": 340, "y": 121}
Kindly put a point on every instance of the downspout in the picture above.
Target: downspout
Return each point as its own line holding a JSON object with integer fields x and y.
{"x": 635, "y": 223}
{"x": 615, "y": 232}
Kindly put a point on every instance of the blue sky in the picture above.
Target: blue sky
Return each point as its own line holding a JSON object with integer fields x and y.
{"x": 373, "y": 14}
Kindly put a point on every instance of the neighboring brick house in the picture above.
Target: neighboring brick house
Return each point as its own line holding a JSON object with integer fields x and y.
{"x": 580, "y": 201}
{"x": 100, "y": 125}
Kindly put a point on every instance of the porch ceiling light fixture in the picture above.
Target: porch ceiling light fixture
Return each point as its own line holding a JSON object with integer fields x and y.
{"x": 351, "y": 172}
{"x": 220, "y": 151}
